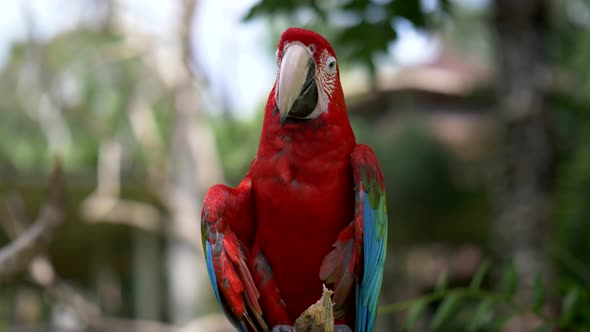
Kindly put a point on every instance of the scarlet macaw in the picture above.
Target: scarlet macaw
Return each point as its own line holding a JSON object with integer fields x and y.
{"x": 311, "y": 210}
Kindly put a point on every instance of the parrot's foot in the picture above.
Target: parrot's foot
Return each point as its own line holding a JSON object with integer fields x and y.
{"x": 289, "y": 328}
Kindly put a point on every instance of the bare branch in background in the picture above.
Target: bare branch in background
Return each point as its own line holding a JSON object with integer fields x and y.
{"x": 105, "y": 204}
{"x": 16, "y": 256}
{"x": 27, "y": 250}
{"x": 91, "y": 315}
{"x": 145, "y": 128}
{"x": 16, "y": 215}
{"x": 114, "y": 210}
{"x": 201, "y": 140}
{"x": 110, "y": 154}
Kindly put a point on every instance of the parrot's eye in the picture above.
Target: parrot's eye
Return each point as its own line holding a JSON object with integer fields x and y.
{"x": 312, "y": 48}
{"x": 331, "y": 65}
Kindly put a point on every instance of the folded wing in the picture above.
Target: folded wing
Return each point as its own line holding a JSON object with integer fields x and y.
{"x": 227, "y": 226}
{"x": 355, "y": 265}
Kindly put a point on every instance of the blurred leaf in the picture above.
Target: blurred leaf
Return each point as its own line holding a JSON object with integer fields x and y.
{"x": 408, "y": 9}
{"x": 480, "y": 274}
{"x": 414, "y": 314}
{"x": 272, "y": 7}
{"x": 538, "y": 293}
{"x": 444, "y": 311}
{"x": 568, "y": 306}
{"x": 445, "y": 5}
{"x": 544, "y": 328}
{"x": 510, "y": 280}
{"x": 318, "y": 10}
{"x": 442, "y": 283}
{"x": 361, "y": 41}
{"x": 356, "y": 5}
{"x": 483, "y": 309}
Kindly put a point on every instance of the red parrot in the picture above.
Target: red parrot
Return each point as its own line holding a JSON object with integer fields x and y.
{"x": 310, "y": 211}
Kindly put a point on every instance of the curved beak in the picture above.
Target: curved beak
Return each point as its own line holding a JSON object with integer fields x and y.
{"x": 296, "y": 89}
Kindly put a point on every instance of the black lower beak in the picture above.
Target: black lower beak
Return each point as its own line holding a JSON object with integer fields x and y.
{"x": 307, "y": 101}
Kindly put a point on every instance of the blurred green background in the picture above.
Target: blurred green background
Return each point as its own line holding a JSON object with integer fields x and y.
{"x": 479, "y": 111}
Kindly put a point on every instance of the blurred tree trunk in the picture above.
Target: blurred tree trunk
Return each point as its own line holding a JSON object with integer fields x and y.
{"x": 522, "y": 179}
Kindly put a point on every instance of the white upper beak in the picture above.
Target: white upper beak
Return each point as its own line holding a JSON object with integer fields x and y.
{"x": 293, "y": 70}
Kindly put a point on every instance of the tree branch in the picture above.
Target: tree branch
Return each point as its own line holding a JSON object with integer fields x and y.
{"x": 16, "y": 256}
{"x": 90, "y": 314}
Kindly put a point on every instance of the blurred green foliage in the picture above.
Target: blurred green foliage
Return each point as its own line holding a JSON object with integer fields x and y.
{"x": 91, "y": 77}
{"x": 570, "y": 52}
{"x": 361, "y": 30}
{"x": 82, "y": 82}
{"x": 425, "y": 188}
{"x": 237, "y": 143}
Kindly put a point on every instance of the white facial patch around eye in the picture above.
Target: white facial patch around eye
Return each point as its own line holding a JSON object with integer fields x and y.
{"x": 326, "y": 80}
{"x": 330, "y": 66}
{"x": 327, "y": 76}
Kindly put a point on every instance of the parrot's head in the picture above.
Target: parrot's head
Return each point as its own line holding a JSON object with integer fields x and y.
{"x": 308, "y": 82}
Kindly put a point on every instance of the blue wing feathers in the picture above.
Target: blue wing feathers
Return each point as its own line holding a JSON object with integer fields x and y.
{"x": 374, "y": 226}
{"x": 213, "y": 279}
{"x": 374, "y": 247}
{"x": 374, "y": 241}
{"x": 368, "y": 239}
{"x": 211, "y": 271}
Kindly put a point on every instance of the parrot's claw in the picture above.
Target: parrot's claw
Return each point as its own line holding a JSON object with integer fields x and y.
{"x": 289, "y": 328}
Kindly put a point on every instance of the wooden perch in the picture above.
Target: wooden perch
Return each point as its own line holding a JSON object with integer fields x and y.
{"x": 16, "y": 256}
{"x": 319, "y": 317}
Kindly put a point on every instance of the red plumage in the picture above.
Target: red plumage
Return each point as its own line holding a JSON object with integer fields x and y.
{"x": 294, "y": 220}
{"x": 303, "y": 184}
